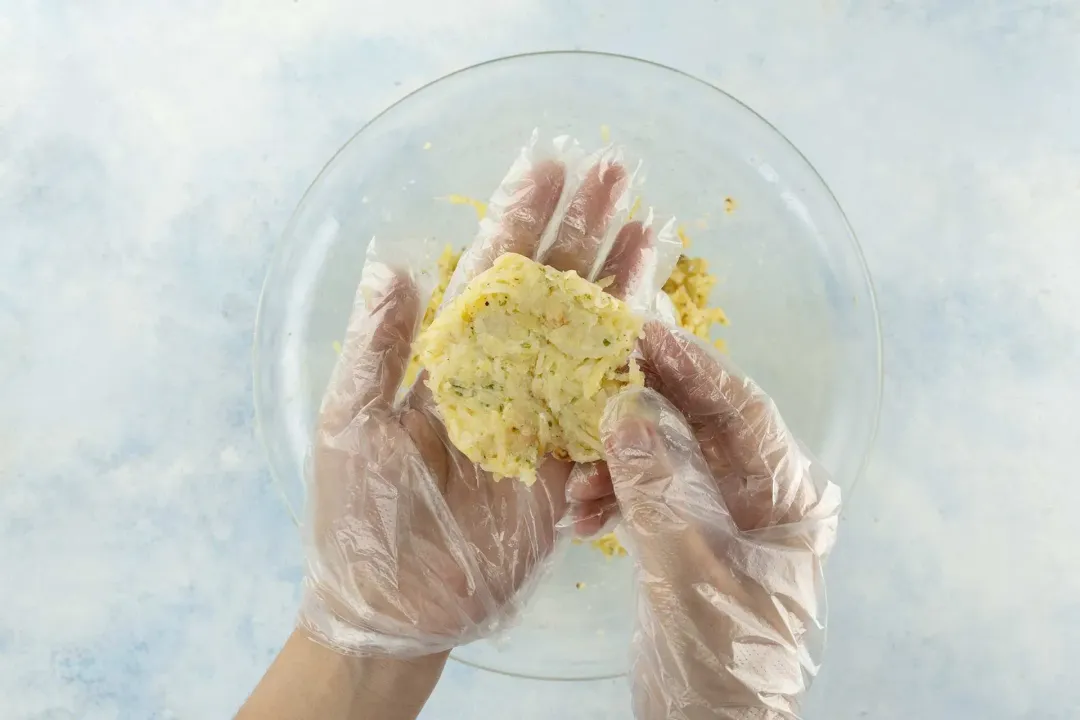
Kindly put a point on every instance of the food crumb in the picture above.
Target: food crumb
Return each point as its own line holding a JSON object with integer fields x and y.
{"x": 729, "y": 205}
{"x": 337, "y": 346}
{"x": 609, "y": 545}
{"x": 605, "y": 134}
{"x": 683, "y": 237}
{"x": 427, "y": 145}
{"x": 579, "y": 585}
{"x": 688, "y": 287}
{"x": 478, "y": 205}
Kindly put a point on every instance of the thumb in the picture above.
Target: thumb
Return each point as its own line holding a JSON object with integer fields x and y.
{"x": 637, "y": 457}
{"x": 662, "y": 483}
{"x": 376, "y": 348}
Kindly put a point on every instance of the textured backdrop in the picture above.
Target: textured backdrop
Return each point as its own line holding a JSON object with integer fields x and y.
{"x": 151, "y": 152}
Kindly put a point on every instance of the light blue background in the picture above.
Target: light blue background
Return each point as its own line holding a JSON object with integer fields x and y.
{"x": 151, "y": 152}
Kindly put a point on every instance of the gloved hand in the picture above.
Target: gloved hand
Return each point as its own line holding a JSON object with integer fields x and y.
{"x": 728, "y": 521}
{"x": 411, "y": 548}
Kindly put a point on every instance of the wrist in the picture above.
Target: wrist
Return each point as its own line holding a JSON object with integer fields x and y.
{"x": 393, "y": 688}
{"x": 309, "y": 679}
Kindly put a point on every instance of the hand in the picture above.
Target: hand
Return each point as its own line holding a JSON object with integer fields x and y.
{"x": 412, "y": 549}
{"x": 729, "y": 522}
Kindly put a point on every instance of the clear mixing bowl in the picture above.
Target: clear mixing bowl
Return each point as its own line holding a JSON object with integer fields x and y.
{"x": 792, "y": 280}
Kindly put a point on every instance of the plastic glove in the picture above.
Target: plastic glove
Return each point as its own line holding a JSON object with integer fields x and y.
{"x": 729, "y": 522}
{"x": 411, "y": 548}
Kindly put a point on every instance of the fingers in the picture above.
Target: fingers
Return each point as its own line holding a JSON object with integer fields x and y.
{"x": 590, "y": 481}
{"x": 693, "y": 378}
{"x": 757, "y": 463}
{"x": 526, "y": 217}
{"x": 522, "y": 208}
{"x": 376, "y": 347}
{"x": 580, "y": 236}
{"x": 591, "y": 498}
{"x": 662, "y": 483}
{"x": 593, "y": 518}
{"x": 625, "y": 264}
{"x": 639, "y": 464}
{"x": 713, "y": 396}
{"x": 552, "y": 476}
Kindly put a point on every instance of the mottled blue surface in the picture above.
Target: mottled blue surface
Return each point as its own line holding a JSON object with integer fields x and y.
{"x": 150, "y": 153}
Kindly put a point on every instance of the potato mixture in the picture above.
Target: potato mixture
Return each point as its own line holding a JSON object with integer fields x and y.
{"x": 523, "y": 362}
{"x": 688, "y": 287}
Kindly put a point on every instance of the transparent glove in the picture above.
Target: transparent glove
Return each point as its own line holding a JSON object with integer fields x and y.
{"x": 728, "y": 521}
{"x": 411, "y": 548}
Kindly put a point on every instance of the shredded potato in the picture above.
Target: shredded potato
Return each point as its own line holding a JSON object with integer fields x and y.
{"x": 688, "y": 287}
{"x": 447, "y": 263}
{"x": 523, "y": 362}
{"x": 609, "y": 545}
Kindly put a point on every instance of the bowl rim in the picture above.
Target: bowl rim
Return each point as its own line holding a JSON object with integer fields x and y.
{"x": 289, "y": 227}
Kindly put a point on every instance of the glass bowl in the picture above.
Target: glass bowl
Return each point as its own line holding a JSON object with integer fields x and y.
{"x": 791, "y": 278}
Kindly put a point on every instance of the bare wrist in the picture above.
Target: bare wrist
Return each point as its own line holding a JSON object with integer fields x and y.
{"x": 309, "y": 679}
{"x": 395, "y": 688}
